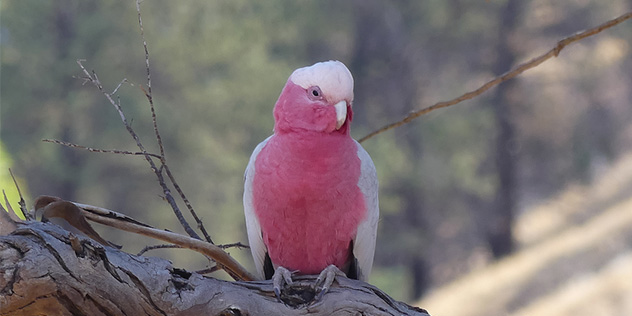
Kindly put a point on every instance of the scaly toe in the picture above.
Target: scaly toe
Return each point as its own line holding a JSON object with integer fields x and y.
{"x": 280, "y": 278}
{"x": 326, "y": 279}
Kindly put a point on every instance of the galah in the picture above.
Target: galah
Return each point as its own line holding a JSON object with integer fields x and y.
{"x": 311, "y": 191}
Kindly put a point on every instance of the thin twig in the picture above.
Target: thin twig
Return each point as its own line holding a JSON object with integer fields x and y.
{"x": 230, "y": 265}
{"x": 554, "y": 52}
{"x": 6, "y": 202}
{"x": 238, "y": 245}
{"x": 96, "y": 150}
{"x": 94, "y": 79}
{"x": 188, "y": 204}
{"x": 22, "y": 203}
{"x": 8, "y": 219}
{"x": 148, "y": 248}
{"x": 163, "y": 158}
{"x": 208, "y": 270}
{"x": 111, "y": 214}
{"x": 148, "y": 92}
{"x": 119, "y": 85}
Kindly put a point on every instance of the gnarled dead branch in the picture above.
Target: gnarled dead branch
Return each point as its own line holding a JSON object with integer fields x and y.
{"x": 46, "y": 270}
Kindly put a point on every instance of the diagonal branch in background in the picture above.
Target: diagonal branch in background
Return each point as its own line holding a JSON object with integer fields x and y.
{"x": 554, "y": 52}
{"x": 163, "y": 158}
{"x": 94, "y": 79}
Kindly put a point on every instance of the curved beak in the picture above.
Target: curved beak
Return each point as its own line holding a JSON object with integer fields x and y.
{"x": 341, "y": 113}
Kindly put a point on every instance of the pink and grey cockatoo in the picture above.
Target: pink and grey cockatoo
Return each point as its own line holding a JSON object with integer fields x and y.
{"x": 311, "y": 191}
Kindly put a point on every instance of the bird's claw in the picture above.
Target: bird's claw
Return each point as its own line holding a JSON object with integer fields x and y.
{"x": 326, "y": 279}
{"x": 280, "y": 278}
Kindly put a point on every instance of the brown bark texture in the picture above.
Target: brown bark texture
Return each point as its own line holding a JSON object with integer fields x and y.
{"x": 46, "y": 270}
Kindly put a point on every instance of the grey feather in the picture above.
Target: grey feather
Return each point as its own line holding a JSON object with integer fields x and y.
{"x": 255, "y": 239}
{"x": 364, "y": 242}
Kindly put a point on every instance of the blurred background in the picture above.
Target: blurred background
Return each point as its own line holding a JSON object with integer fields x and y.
{"x": 517, "y": 202}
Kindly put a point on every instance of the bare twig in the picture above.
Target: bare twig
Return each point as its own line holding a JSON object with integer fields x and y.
{"x": 148, "y": 92}
{"x": 96, "y": 150}
{"x": 212, "y": 269}
{"x": 94, "y": 79}
{"x": 148, "y": 248}
{"x": 188, "y": 204}
{"x": 22, "y": 203}
{"x": 8, "y": 221}
{"x": 233, "y": 245}
{"x": 554, "y": 52}
{"x": 111, "y": 214}
{"x": 105, "y": 217}
{"x": 163, "y": 158}
{"x": 119, "y": 85}
{"x": 6, "y": 202}
{"x": 208, "y": 270}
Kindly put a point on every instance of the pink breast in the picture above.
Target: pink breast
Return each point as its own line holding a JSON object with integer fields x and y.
{"x": 307, "y": 200}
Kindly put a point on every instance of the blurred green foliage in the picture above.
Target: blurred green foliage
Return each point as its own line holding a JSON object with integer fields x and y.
{"x": 218, "y": 67}
{"x": 7, "y": 186}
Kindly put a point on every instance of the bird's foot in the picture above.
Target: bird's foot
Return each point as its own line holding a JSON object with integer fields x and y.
{"x": 326, "y": 279}
{"x": 280, "y": 278}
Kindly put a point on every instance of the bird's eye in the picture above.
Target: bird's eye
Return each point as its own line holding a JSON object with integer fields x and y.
{"x": 314, "y": 93}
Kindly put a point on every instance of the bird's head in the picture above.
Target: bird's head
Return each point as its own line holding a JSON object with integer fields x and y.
{"x": 317, "y": 98}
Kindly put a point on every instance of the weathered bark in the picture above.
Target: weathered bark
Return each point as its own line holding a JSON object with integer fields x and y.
{"x": 45, "y": 270}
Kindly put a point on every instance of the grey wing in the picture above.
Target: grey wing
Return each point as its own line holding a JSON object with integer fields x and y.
{"x": 364, "y": 243}
{"x": 255, "y": 239}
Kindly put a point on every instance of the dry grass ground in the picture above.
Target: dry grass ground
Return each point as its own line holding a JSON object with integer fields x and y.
{"x": 575, "y": 258}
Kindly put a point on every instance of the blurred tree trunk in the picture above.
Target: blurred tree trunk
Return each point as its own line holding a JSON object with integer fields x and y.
{"x": 414, "y": 222}
{"x": 70, "y": 159}
{"x": 45, "y": 270}
{"x": 499, "y": 228}
{"x": 382, "y": 42}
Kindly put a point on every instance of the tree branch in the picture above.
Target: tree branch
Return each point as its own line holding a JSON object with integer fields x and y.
{"x": 554, "y": 52}
{"x": 163, "y": 158}
{"x": 96, "y": 150}
{"x": 148, "y": 248}
{"x": 148, "y": 92}
{"x": 123, "y": 222}
{"x": 42, "y": 274}
{"x": 22, "y": 203}
{"x": 200, "y": 225}
{"x": 94, "y": 79}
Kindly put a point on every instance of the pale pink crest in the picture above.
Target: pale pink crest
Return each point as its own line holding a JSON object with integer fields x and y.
{"x": 333, "y": 78}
